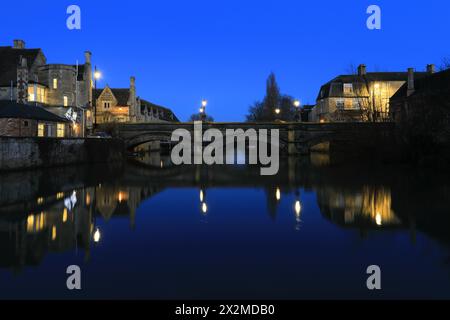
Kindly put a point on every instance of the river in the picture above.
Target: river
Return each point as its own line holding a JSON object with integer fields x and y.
{"x": 151, "y": 230}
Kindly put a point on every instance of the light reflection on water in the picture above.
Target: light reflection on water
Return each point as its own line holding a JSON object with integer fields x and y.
{"x": 161, "y": 231}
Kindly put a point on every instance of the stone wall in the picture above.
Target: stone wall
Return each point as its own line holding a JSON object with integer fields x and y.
{"x": 18, "y": 127}
{"x": 24, "y": 153}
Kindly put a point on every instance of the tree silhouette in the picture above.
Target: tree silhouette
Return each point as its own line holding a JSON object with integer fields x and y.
{"x": 273, "y": 100}
{"x": 198, "y": 117}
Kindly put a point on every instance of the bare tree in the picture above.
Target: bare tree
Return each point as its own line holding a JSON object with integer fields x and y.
{"x": 445, "y": 64}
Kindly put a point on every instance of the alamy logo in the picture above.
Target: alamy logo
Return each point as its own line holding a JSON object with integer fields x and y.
{"x": 374, "y": 280}
{"x": 73, "y": 22}
{"x": 213, "y": 153}
{"x": 374, "y": 20}
{"x": 74, "y": 280}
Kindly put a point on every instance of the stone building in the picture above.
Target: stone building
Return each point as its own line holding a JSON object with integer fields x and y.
{"x": 26, "y": 77}
{"x": 21, "y": 120}
{"x": 123, "y": 105}
{"x": 428, "y": 92}
{"x": 359, "y": 97}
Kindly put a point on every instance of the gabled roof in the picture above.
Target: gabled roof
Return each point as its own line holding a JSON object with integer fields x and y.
{"x": 121, "y": 95}
{"x": 334, "y": 88}
{"x": 436, "y": 83}
{"x": 11, "y": 109}
{"x": 9, "y": 60}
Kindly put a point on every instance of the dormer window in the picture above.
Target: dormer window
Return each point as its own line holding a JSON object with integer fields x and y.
{"x": 348, "y": 88}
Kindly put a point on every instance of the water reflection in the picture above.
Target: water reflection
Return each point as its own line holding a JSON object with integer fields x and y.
{"x": 68, "y": 211}
{"x": 368, "y": 207}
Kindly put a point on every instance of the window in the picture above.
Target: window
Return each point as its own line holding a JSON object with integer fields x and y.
{"x": 31, "y": 95}
{"x": 340, "y": 103}
{"x": 348, "y": 88}
{"x": 25, "y": 123}
{"x": 106, "y": 105}
{"x": 36, "y": 93}
{"x": 41, "y": 130}
{"x": 40, "y": 97}
{"x": 60, "y": 128}
{"x": 66, "y": 101}
{"x": 55, "y": 83}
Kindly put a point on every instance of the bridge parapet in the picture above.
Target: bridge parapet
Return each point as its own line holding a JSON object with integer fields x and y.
{"x": 294, "y": 137}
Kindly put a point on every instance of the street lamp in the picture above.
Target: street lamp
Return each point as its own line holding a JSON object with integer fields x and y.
{"x": 97, "y": 76}
{"x": 203, "y": 110}
{"x": 297, "y": 109}
{"x": 277, "y": 110}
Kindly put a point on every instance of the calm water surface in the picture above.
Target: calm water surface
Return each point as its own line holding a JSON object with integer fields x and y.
{"x": 163, "y": 232}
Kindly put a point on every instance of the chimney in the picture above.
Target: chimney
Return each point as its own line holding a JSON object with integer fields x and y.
{"x": 362, "y": 70}
{"x": 132, "y": 101}
{"x": 410, "y": 82}
{"x": 431, "y": 68}
{"x": 19, "y": 44}
{"x": 22, "y": 81}
{"x": 87, "y": 57}
{"x": 87, "y": 76}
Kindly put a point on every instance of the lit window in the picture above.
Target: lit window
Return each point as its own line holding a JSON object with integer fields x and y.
{"x": 340, "y": 103}
{"x": 31, "y": 95}
{"x": 55, "y": 83}
{"x": 348, "y": 88}
{"x": 66, "y": 101}
{"x": 41, "y": 130}
{"x": 40, "y": 97}
{"x": 60, "y": 128}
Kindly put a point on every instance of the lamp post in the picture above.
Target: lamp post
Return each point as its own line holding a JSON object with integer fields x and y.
{"x": 297, "y": 110}
{"x": 203, "y": 110}
{"x": 97, "y": 75}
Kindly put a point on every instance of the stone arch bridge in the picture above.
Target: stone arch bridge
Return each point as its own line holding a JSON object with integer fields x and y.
{"x": 295, "y": 138}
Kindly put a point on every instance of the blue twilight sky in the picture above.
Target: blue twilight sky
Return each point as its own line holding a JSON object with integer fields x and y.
{"x": 223, "y": 50}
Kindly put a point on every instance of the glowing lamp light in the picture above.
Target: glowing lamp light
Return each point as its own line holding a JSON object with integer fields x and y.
{"x": 296, "y": 103}
{"x": 202, "y": 110}
{"x": 378, "y": 219}
{"x": 204, "y": 103}
{"x": 298, "y": 208}
{"x": 97, "y": 75}
{"x": 278, "y": 194}
{"x": 204, "y": 208}
{"x": 97, "y": 235}
{"x": 201, "y": 196}
{"x": 277, "y": 110}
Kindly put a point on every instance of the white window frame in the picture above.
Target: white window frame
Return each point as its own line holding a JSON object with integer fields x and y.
{"x": 348, "y": 85}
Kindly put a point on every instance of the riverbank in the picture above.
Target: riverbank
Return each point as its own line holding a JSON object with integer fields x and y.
{"x": 17, "y": 153}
